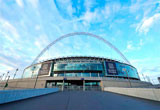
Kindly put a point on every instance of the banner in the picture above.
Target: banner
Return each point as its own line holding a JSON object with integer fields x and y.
{"x": 111, "y": 68}
{"x": 45, "y": 68}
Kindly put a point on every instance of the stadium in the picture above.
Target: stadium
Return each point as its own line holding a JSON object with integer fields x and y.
{"x": 79, "y": 68}
{"x": 78, "y": 72}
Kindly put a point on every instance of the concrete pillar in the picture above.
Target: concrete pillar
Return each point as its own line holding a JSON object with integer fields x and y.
{"x": 101, "y": 84}
{"x": 83, "y": 85}
{"x": 63, "y": 86}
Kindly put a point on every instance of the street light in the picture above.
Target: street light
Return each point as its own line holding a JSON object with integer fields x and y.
{"x": 124, "y": 69}
{"x": 6, "y": 75}
{"x": 143, "y": 77}
{"x": 15, "y": 73}
{"x": 6, "y": 83}
{"x": 33, "y": 69}
{"x": 37, "y": 78}
{"x": 2, "y": 77}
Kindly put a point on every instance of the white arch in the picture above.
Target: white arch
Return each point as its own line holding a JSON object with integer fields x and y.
{"x": 80, "y": 33}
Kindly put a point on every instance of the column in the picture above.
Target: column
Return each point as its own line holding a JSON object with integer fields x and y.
{"x": 83, "y": 85}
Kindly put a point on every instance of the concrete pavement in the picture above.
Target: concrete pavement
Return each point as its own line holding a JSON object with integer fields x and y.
{"x": 79, "y": 100}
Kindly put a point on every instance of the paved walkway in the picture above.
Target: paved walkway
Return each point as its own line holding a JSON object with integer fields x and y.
{"x": 79, "y": 100}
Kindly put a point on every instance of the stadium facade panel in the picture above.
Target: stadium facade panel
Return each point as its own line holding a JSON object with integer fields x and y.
{"x": 80, "y": 66}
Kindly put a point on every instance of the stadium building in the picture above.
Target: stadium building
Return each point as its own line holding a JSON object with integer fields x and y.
{"x": 73, "y": 71}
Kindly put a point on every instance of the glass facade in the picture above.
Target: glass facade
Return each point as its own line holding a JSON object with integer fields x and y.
{"x": 78, "y": 66}
{"x": 124, "y": 70}
{"x": 74, "y": 67}
{"x": 83, "y": 69}
{"x": 31, "y": 71}
{"x": 79, "y": 74}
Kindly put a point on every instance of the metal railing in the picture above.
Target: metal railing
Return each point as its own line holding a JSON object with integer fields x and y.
{"x": 77, "y": 88}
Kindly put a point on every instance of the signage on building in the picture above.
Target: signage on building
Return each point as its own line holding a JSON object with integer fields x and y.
{"x": 44, "y": 70}
{"x": 111, "y": 68}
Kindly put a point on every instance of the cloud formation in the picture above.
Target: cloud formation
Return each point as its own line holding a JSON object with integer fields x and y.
{"x": 147, "y": 23}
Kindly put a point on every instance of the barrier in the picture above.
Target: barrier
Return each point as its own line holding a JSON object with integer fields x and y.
{"x": 14, "y": 95}
{"x": 145, "y": 93}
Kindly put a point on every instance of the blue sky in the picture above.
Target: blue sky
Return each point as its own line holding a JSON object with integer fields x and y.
{"x": 27, "y": 26}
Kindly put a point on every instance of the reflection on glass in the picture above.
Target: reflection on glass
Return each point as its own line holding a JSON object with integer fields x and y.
{"x": 132, "y": 72}
{"x": 31, "y": 71}
{"x": 78, "y": 66}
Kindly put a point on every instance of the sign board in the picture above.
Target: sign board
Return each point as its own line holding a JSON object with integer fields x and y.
{"x": 111, "y": 68}
{"x": 45, "y": 68}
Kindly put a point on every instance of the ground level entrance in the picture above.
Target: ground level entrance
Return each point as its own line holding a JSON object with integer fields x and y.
{"x": 71, "y": 85}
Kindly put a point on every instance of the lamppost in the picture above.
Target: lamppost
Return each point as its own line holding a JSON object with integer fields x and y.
{"x": 6, "y": 75}
{"x": 34, "y": 67}
{"x": 124, "y": 69}
{"x": 37, "y": 78}
{"x": 15, "y": 73}
{"x": 143, "y": 77}
{"x": 6, "y": 83}
{"x": 2, "y": 76}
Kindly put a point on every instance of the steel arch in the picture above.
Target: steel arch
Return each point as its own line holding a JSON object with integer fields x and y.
{"x": 80, "y": 33}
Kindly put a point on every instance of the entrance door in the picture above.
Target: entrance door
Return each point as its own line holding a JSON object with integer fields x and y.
{"x": 92, "y": 85}
{"x": 73, "y": 85}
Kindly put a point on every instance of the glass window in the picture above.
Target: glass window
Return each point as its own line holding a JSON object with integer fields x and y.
{"x": 70, "y": 74}
{"x": 94, "y": 74}
{"x": 79, "y": 75}
{"x": 78, "y": 66}
{"x": 60, "y": 74}
{"x": 85, "y": 74}
{"x": 124, "y": 69}
{"x": 31, "y": 71}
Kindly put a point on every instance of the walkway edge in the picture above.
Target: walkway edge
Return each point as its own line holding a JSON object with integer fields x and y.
{"x": 145, "y": 93}
{"x": 14, "y": 95}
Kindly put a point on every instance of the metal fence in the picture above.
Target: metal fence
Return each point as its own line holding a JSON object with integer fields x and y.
{"x": 77, "y": 88}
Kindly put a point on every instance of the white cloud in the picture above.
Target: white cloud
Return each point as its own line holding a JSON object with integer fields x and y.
{"x": 139, "y": 5}
{"x": 129, "y": 47}
{"x": 135, "y": 6}
{"x": 66, "y": 5}
{"x": 106, "y": 12}
{"x": 7, "y": 63}
{"x": 41, "y": 41}
{"x": 8, "y": 30}
{"x": 89, "y": 4}
{"x": 37, "y": 27}
{"x": 34, "y": 3}
{"x": 90, "y": 16}
{"x": 99, "y": 14}
{"x": 70, "y": 10}
{"x": 132, "y": 47}
{"x": 146, "y": 23}
{"x": 111, "y": 9}
{"x": 20, "y": 3}
{"x": 5, "y": 67}
{"x": 141, "y": 43}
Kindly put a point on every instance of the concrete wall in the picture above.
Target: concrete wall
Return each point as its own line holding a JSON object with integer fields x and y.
{"x": 146, "y": 93}
{"x": 117, "y": 82}
{"x": 23, "y": 84}
{"x": 14, "y": 95}
{"x": 41, "y": 82}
